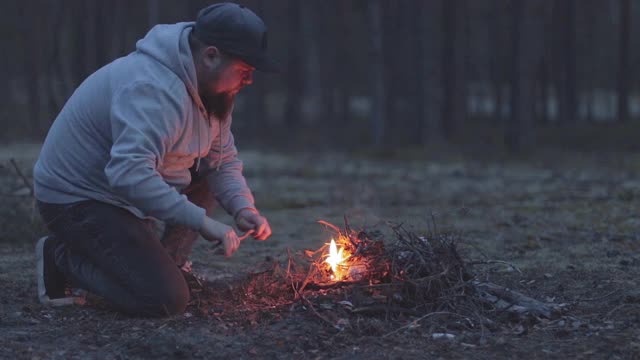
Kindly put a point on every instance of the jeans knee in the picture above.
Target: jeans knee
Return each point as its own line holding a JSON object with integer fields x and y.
{"x": 175, "y": 302}
{"x": 168, "y": 301}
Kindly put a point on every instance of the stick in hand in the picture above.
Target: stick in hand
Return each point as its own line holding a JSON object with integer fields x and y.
{"x": 242, "y": 237}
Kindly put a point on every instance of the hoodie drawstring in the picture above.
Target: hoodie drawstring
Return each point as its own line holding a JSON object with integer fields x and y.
{"x": 221, "y": 152}
{"x": 220, "y": 147}
{"x": 198, "y": 162}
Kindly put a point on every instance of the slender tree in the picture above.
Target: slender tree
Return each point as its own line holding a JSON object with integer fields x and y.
{"x": 544, "y": 78}
{"x": 435, "y": 93}
{"x": 339, "y": 93}
{"x": 294, "y": 68}
{"x": 6, "y": 62}
{"x": 525, "y": 55}
{"x": 623, "y": 61}
{"x": 496, "y": 60}
{"x": 565, "y": 60}
{"x": 378, "y": 87}
{"x": 571, "y": 64}
{"x": 58, "y": 85}
{"x": 420, "y": 101}
{"x": 453, "y": 62}
{"x": 314, "y": 63}
{"x": 153, "y": 12}
{"x": 34, "y": 57}
{"x": 258, "y": 115}
{"x": 395, "y": 59}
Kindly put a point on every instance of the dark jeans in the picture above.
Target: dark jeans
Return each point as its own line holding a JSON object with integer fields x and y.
{"x": 110, "y": 252}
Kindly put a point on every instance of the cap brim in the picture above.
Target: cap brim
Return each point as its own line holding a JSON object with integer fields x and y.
{"x": 268, "y": 66}
{"x": 263, "y": 64}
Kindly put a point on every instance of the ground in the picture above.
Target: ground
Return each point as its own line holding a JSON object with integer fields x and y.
{"x": 567, "y": 223}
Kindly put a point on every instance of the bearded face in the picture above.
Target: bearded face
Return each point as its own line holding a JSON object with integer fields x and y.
{"x": 220, "y": 80}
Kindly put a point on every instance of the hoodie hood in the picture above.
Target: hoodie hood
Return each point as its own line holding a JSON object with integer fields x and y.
{"x": 169, "y": 45}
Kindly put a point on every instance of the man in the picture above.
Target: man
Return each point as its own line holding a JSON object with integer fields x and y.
{"x": 145, "y": 140}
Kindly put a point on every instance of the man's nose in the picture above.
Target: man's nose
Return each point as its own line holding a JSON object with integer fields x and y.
{"x": 248, "y": 79}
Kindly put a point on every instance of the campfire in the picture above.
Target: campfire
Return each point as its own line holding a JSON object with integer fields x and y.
{"x": 368, "y": 273}
{"x": 342, "y": 260}
{"x": 348, "y": 257}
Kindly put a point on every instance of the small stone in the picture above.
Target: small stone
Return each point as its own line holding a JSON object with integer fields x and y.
{"x": 442, "y": 336}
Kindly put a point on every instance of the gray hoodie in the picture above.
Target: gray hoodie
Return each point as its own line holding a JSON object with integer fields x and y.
{"x": 130, "y": 132}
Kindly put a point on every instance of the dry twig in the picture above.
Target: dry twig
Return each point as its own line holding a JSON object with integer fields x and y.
{"x": 489, "y": 262}
{"x": 25, "y": 180}
{"x": 416, "y": 321}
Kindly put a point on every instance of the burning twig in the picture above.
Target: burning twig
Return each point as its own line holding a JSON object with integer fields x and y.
{"x": 347, "y": 228}
{"x": 329, "y": 225}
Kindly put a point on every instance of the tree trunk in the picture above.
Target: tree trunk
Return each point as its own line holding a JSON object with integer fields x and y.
{"x": 342, "y": 65}
{"x": 33, "y": 59}
{"x": 571, "y": 66}
{"x": 524, "y": 57}
{"x": 7, "y": 63}
{"x": 623, "y": 61}
{"x": 90, "y": 30}
{"x": 311, "y": 61}
{"x": 258, "y": 115}
{"x": 105, "y": 31}
{"x": 454, "y": 108}
{"x": 153, "y": 13}
{"x": 294, "y": 68}
{"x": 57, "y": 92}
{"x": 420, "y": 101}
{"x": 119, "y": 28}
{"x": 496, "y": 57}
{"x": 545, "y": 80}
{"x": 378, "y": 97}
{"x": 543, "y": 86}
{"x": 590, "y": 81}
{"x": 565, "y": 60}
{"x": 394, "y": 65}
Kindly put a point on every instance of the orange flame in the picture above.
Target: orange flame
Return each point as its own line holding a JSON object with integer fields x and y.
{"x": 336, "y": 259}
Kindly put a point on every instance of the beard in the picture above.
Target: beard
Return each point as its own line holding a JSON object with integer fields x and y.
{"x": 219, "y": 104}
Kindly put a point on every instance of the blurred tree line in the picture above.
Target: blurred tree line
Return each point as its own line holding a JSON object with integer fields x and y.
{"x": 360, "y": 72}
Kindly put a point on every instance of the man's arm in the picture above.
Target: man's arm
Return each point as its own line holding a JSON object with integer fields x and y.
{"x": 224, "y": 173}
{"x": 230, "y": 187}
{"x": 144, "y": 120}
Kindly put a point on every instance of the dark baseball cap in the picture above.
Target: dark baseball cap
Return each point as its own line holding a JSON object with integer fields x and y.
{"x": 236, "y": 30}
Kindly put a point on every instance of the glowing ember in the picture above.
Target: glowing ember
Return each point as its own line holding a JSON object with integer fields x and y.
{"x": 336, "y": 260}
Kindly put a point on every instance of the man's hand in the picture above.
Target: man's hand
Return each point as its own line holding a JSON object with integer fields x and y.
{"x": 249, "y": 219}
{"x": 213, "y": 230}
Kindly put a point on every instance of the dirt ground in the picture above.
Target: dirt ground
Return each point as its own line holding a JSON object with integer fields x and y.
{"x": 569, "y": 224}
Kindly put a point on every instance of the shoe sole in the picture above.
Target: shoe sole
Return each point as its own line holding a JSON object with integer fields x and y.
{"x": 42, "y": 290}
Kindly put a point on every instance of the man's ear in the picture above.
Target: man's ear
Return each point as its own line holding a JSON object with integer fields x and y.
{"x": 211, "y": 56}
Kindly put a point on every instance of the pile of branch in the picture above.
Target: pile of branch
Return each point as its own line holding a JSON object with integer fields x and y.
{"x": 406, "y": 274}
{"x": 427, "y": 271}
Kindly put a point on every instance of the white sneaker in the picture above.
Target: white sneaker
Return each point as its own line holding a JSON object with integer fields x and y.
{"x": 52, "y": 284}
